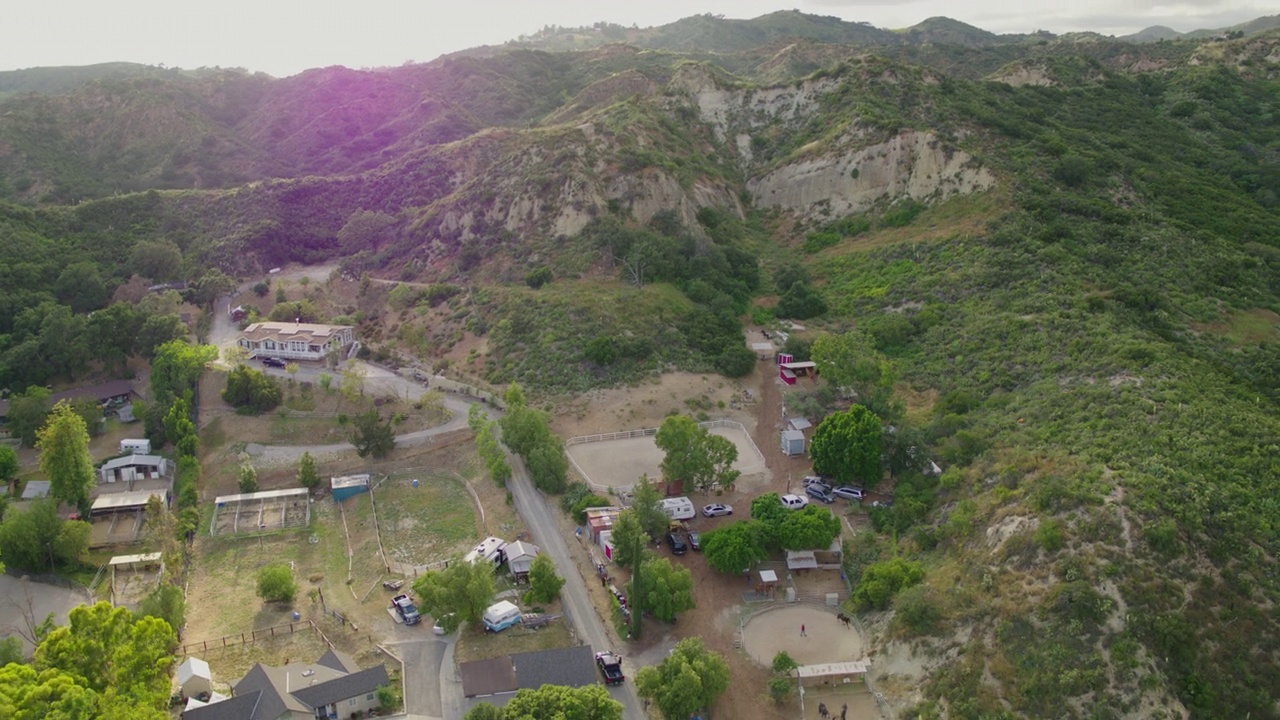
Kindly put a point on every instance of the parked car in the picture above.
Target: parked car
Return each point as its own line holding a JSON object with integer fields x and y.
{"x": 406, "y": 609}
{"x": 695, "y": 540}
{"x": 848, "y": 492}
{"x": 610, "y": 665}
{"x": 437, "y": 628}
{"x": 819, "y": 493}
{"x": 716, "y": 510}
{"x": 816, "y": 480}
{"x": 794, "y": 502}
{"x": 273, "y": 362}
{"x": 677, "y": 543}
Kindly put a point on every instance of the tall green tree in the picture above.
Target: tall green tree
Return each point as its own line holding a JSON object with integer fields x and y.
{"x": 850, "y": 360}
{"x": 64, "y": 457}
{"x": 544, "y": 583}
{"x": 589, "y": 702}
{"x": 734, "y": 548}
{"x": 9, "y": 468}
{"x": 80, "y": 286}
{"x": 687, "y": 680}
{"x": 276, "y": 583}
{"x": 157, "y": 330}
{"x": 627, "y": 536}
{"x": 846, "y": 446}
{"x": 372, "y": 436}
{"x": 177, "y": 367}
{"x": 667, "y": 589}
{"x": 694, "y": 455}
{"x": 251, "y": 391}
{"x": 548, "y": 465}
{"x": 458, "y": 593}
{"x": 28, "y": 694}
{"x": 28, "y": 413}
{"x": 308, "y": 476}
{"x": 646, "y": 501}
{"x": 39, "y": 539}
{"x": 113, "y": 653}
{"x": 809, "y": 528}
{"x": 178, "y": 428}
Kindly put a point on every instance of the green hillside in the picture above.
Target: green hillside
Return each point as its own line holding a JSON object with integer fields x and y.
{"x": 1055, "y": 262}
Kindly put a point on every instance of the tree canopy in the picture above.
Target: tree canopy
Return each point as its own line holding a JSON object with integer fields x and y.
{"x": 666, "y": 589}
{"x": 694, "y": 455}
{"x": 687, "y": 680}
{"x": 251, "y": 391}
{"x": 846, "y": 446}
{"x": 38, "y": 539}
{"x": 458, "y": 593}
{"x": 544, "y": 583}
{"x": 64, "y": 457}
{"x": 372, "y": 436}
{"x": 734, "y": 548}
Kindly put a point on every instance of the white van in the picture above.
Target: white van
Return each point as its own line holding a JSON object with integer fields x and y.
{"x": 501, "y": 615}
{"x": 678, "y": 508}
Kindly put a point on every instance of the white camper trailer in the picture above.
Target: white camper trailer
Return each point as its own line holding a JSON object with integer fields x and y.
{"x": 500, "y": 616}
{"x": 135, "y": 447}
{"x": 678, "y": 508}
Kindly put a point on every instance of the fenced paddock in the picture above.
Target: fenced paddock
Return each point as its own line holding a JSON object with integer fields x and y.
{"x": 260, "y": 512}
{"x": 614, "y": 461}
{"x": 133, "y": 577}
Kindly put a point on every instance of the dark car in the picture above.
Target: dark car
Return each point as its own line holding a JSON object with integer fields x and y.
{"x": 273, "y": 362}
{"x": 610, "y": 665}
{"x": 677, "y": 543}
{"x": 406, "y": 610}
{"x": 819, "y": 494}
{"x": 695, "y": 540}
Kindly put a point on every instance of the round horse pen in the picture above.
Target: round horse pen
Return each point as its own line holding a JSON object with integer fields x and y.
{"x": 826, "y": 638}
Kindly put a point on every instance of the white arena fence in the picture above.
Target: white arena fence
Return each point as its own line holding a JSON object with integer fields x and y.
{"x": 646, "y": 432}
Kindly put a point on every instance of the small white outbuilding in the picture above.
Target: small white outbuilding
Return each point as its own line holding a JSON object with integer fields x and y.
{"x": 194, "y": 678}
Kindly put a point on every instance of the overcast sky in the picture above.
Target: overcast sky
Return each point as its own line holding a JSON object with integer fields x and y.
{"x": 284, "y": 37}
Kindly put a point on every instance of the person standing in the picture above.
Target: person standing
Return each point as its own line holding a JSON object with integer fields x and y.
{"x": 802, "y": 632}
{"x": 844, "y": 710}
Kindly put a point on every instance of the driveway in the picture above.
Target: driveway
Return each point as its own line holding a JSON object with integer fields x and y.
{"x": 422, "y": 675}
{"x": 24, "y": 603}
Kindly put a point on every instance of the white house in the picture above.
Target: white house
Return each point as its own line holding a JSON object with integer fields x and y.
{"x": 134, "y": 467}
{"x": 294, "y": 341}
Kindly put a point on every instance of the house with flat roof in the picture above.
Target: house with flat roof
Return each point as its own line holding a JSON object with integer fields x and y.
{"x": 294, "y": 340}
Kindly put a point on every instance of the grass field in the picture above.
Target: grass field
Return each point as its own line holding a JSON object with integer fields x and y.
{"x": 476, "y": 643}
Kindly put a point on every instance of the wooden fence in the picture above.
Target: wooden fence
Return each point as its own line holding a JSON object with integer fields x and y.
{"x": 251, "y": 636}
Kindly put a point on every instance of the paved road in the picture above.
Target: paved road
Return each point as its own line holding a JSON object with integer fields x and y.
{"x": 576, "y": 604}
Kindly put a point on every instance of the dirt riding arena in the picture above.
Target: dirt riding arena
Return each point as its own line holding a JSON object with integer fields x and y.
{"x": 24, "y": 603}
{"x": 617, "y": 460}
{"x": 826, "y": 639}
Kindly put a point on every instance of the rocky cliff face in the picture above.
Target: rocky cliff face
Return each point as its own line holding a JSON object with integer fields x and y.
{"x": 849, "y": 175}
{"x": 909, "y": 164}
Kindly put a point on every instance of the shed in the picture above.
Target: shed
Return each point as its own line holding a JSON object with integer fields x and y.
{"x": 825, "y": 673}
{"x": 194, "y": 678}
{"x": 35, "y": 489}
{"x": 346, "y": 486}
{"x": 801, "y": 560}
{"x": 786, "y": 376}
{"x": 785, "y": 358}
{"x": 135, "y": 446}
{"x": 792, "y": 442}
{"x": 799, "y": 423}
{"x": 520, "y": 557}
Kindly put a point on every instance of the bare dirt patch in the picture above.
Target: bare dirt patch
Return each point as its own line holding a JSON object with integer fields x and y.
{"x": 646, "y": 404}
{"x": 618, "y": 463}
{"x": 825, "y": 638}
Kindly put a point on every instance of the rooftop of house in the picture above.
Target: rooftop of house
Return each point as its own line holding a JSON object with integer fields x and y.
{"x": 266, "y": 692}
{"x": 286, "y": 331}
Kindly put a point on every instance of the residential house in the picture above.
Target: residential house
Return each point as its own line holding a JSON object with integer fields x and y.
{"x": 570, "y": 667}
{"x": 294, "y": 340}
{"x": 110, "y": 395}
{"x": 331, "y": 687}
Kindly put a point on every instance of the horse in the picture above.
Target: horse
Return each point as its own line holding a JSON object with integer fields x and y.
{"x": 848, "y": 622}
{"x": 822, "y": 711}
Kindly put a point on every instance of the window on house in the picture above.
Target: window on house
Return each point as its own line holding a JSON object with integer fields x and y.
{"x": 352, "y": 701}
{"x": 369, "y": 696}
